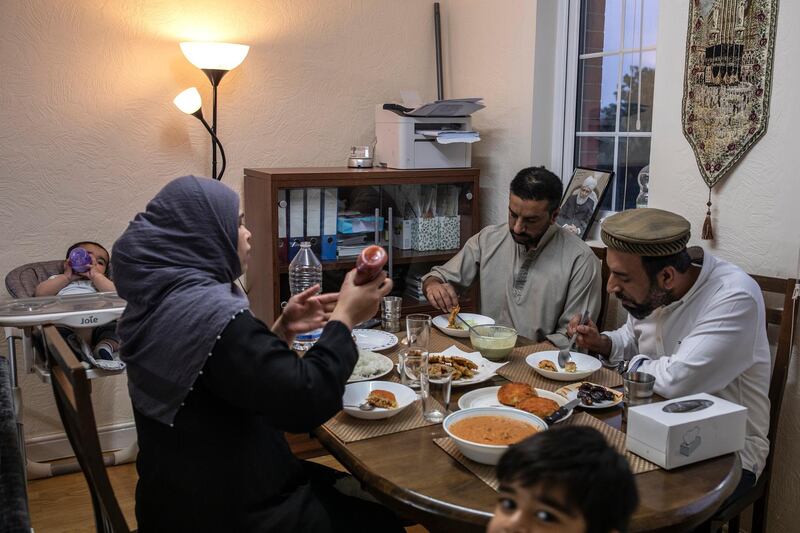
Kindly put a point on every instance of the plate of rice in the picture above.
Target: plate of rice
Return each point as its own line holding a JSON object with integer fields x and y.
{"x": 370, "y": 365}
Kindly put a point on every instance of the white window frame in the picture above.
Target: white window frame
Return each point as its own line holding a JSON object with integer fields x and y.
{"x": 567, "y": 44}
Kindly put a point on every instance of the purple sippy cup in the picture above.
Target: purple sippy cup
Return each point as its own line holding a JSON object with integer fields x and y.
{"x": 80, "y": 260}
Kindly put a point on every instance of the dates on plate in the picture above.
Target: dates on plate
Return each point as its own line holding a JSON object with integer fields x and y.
{"x": 592, "y": 394}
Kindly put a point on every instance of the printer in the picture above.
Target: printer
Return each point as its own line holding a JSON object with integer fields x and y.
{"x": 406, "y": 141}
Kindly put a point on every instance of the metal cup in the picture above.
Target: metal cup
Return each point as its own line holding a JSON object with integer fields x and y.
{"x": 637, "y": 390}
{"x": 391, "y": 307}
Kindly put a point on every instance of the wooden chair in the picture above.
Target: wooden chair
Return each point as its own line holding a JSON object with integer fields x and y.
{"x": 600, "y": 252}
{"x": 758, "y": 496}
{"x": 72, "y": 391}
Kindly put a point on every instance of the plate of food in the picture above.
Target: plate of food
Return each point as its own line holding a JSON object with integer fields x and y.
{"x": 370, "y": 365}
{"x": 450, "y": 325}
{"x": 470, "y": 367}
{"x": 520, "y": 396}
{"x": 374, "y": 340}
{"x": 580, "y": 367}
{"x": 592, "y": 395}
{"x": 375, "y": 400}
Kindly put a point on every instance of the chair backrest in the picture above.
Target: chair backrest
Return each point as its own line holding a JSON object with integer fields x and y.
{"x": 783, "y": 317}
{"x": 12, "y": 469}
{"x": 22, "y": 281}
{"x": 72, "y": 391}
{"x": 600, "y": 252}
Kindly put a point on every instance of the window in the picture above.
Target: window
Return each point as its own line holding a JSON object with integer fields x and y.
{"x": 613, "y": 72}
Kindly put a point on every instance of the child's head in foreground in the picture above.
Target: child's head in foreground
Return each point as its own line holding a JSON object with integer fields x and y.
{"x": 565, "y": 479}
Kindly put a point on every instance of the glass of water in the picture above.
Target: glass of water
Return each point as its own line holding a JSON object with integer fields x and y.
{"x": 413, "y": 364}
{"x": 415, "y": 359}
{"x": 437, "y": 399}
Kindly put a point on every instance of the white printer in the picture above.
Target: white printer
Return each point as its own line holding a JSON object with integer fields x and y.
{"x": 406, "y": 142}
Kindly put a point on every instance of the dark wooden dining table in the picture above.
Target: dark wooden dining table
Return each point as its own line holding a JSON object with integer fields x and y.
{"x": 409, "y": 473}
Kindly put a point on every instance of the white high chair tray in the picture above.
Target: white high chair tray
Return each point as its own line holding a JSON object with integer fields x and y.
{"x": 77, "y": 310}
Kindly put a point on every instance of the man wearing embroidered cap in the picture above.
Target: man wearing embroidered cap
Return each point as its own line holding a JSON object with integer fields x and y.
{"x": 695, "y": 322}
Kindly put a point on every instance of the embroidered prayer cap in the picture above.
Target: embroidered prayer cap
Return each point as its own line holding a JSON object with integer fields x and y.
{"x": 646, "y": 231}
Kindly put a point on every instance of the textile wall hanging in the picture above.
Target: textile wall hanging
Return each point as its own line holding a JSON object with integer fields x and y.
{"x": 729, "y": 54}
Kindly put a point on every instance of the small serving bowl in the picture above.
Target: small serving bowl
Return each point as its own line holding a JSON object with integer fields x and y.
{"x": 487, "y": 454}
{"x": 494, "y": 342}
{"x": 356, "y": 393}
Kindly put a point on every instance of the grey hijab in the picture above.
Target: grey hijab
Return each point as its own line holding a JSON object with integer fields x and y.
{"x": 175, "y": 266}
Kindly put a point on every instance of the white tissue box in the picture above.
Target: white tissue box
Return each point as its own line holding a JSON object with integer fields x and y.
{"x": 673, "y": 439}
{"x": 405, "y": 233}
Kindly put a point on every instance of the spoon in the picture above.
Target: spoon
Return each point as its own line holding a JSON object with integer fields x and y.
{"x": 366, "y": 406}
{"x": 564, "y": 354}
{"x": 466, "y": 323}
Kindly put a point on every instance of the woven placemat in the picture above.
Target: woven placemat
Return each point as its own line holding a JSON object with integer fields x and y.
{"x": 485, "y": 473}
{"x": 518, "y": 370}
{"x": 349, "y": 429}
{"x": 615, "y": 438}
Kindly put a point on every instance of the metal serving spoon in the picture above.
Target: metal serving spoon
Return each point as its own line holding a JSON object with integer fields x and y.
{"x": 366, "y": 406}
{"x": 563, "y": 354}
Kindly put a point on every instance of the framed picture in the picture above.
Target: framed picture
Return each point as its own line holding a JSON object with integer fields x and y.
{"x": 582, "y": 199}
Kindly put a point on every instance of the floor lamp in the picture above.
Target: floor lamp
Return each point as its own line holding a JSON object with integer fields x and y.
{"x": 216, "y": 60}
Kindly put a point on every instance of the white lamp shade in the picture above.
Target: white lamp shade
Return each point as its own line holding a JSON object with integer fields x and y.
{"x": 215, "y": 56}
{"x": 188, "y": 101}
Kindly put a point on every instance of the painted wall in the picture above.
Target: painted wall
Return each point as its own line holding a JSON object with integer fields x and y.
{"x": 90, "y": 133}
{"x": 489, "y": 52}
{"x": 756, "y": 219}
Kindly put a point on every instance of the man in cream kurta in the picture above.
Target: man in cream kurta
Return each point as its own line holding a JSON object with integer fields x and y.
{"x": 532, "y": 278}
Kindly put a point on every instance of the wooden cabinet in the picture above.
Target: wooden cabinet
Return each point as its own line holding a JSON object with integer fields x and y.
{"x": 287, "y": 205}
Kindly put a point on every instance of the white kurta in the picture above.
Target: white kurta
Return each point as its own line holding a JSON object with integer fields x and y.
{"x": 712, "y": 340}
{"x": 534, "y": 291}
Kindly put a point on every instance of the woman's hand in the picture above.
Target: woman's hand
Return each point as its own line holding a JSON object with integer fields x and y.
{"x": 358, "y": 303}
{"x": 304, "y": 312}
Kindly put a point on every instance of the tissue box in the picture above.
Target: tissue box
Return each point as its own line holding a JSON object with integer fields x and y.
{"x": 686, "y": 430}
{"x": 405, "y": 233}
{"x": 427, "y": 234}
{"x": 449, "y": 232}
{"x": 349, "y": 224}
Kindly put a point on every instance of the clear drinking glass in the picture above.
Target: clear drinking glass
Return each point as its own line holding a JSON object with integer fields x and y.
{"x": 415, "y": 360}
{"x": 437, "y": 400}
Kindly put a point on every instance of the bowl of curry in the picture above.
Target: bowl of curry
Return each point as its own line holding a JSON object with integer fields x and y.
{"x": 483, "y": 434}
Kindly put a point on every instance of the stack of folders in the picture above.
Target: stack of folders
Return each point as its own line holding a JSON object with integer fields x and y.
{"x": 352, "y": 245}
{"x": 414, "y": 287}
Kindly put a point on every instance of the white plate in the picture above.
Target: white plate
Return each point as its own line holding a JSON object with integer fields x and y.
{"x": 356, "y": 394}
{"x": 487, "y": 397}
{"x": 486, "y": 369}
{"x": 387, "y": 367}
{"x": 587, "y": 365}
{"x": 477, "y": 320}
{"x": 374, "y": 340}
{"x": 570, "y": 392}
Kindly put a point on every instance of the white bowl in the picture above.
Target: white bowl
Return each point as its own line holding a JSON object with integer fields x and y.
{"x": 488, "y": 454}
{"x": 587, "y": 365}
{"x": 356, "y": 393}
{"x": 441, "y": 322}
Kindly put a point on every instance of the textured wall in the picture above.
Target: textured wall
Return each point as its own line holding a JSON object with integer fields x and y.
{"x": 489, "y": 53}
{"x": 756, "y": 219}
{"x": 90, "y": 133}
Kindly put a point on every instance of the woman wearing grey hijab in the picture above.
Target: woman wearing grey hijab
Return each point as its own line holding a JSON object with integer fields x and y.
{"x": 214, "y": 388}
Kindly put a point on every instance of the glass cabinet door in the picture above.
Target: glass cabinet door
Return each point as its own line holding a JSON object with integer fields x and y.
{"x": 421, "y": 226}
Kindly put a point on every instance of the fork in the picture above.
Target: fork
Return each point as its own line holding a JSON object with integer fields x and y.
{"x": 564, "y": 353}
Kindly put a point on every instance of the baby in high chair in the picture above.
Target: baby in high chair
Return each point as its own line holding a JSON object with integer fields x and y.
{"x": 85, "y": 272}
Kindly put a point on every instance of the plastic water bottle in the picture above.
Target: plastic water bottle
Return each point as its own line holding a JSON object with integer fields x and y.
{"x": 305, "y": 270}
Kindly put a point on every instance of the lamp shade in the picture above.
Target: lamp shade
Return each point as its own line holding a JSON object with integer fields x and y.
{"x": 189, "y": 101}
{"x": 215, "y": 56}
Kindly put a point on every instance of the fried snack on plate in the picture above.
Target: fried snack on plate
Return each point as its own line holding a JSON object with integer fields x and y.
{"x": 513, "y": 393}
{"x": 571, "y": 367}
{"x": 451, "y": 321}
{"x": 462, "y": 367}
{"x": 541, "y": 407}
{"x": 382, "y": 398}
{"x": 545, "y": 364}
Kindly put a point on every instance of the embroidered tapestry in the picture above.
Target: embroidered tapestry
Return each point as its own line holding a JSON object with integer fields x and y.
{"x": 729, "y": 56}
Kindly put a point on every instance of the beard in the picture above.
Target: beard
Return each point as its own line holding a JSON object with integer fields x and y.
{"x": 656, "y": 297}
